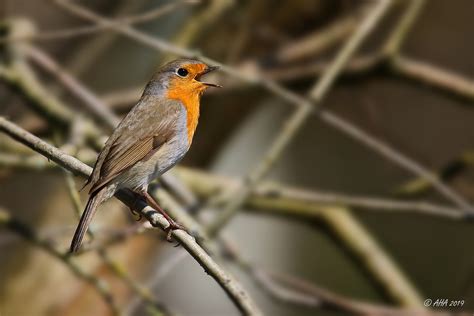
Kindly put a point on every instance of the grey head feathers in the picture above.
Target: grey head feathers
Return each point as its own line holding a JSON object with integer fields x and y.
{"x": 159, "y": 82}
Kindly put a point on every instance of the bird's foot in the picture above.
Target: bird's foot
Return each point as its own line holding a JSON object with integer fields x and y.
{"x": 173, "y": 225}
{"x": 133, "y": 208}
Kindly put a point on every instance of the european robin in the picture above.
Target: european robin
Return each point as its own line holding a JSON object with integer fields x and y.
{"x": 151, "y": 139}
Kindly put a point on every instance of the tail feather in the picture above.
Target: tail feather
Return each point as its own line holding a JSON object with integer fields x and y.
{"x": 86, "y": 218}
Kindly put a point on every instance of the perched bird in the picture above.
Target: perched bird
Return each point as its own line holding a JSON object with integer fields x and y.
{"x": 152, "y": 138}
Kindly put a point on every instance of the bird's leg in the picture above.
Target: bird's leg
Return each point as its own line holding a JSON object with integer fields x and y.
{"x": 173, "y": 225}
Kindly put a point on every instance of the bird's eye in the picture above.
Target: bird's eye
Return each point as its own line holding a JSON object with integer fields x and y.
{"x": 182, "y": 72}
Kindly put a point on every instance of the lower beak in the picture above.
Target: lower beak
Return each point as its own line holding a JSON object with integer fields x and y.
{"x": 212, "y": 85}
{"x": 208, "y": 70}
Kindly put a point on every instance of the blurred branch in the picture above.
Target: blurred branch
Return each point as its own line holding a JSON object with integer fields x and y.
{"x": 90, "y": 29}
{"x": 433, "y": 76}
{"x": 233, "y": 289}
{"x": 18, "y": 74}
{"x": 268, "y": 196}
{"x": 198, "y": 23}
{"x": 122, "y": 99}
{"x": 89, "y": 99}
{"x": 299, "y": 117}
{"x": 355, "y": 238}
{"x": 303, "y": 293}
{"x": 297, "y": 291}
{"x": 318, "y": 41}
{"x": 446, "y": 172}
{"x": 402, "y": 160}
{"x": 17, "y": 227}
{"x": 94, "y": 47}
{"x": 115, "y": 238}
{"x": 358, "y": 65}
{"x": 275, "y": 197}
{"x": 399, "y": 33}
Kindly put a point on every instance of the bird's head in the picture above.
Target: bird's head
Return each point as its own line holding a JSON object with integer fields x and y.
{"x": 181, "y": 79}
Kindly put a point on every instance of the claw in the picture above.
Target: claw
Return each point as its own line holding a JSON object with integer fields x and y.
{"x": 138, "y": 216}
{"x": 173, "y": 226}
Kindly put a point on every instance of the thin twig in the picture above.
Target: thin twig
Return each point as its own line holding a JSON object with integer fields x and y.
{"x": 448, "y": 171}
{"x": 318, "y": 41}
{"x": 115, "y": 238}
{"x": 290, "y": 200}
{"x": 433, "y": 76}
{"x": 398, "y": 35}
{"x": 301, "y": 292}
{"x": 90, "y": 29}
{"x": 93, "y": 103}
{"x": 297, "y": 291}
{"x": 390, "y": 153}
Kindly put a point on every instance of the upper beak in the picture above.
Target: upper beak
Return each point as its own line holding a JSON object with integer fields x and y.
{"x": 208, "y": 70}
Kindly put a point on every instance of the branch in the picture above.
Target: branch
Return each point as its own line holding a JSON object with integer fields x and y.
{"x": 297, "y": 291}
{"x": 303, "y": 293}
{"x": 88, "y": 98}
{"x": 433, "y": 76}
{"x": 91, "y": 29}
{"x": 402, "y": 160}
{"x": 233, "y": 289}
{"x": 447, "y": 172}
{"x": 318, "y": 41}
{"x": 273, "y": 197}
{"x": 401, "y": 30}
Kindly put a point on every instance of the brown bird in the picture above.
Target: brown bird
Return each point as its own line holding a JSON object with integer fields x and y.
{"x": 151, "y": 139}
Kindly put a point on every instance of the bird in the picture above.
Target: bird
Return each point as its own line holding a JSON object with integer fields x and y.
{"x": 152, "y": 138}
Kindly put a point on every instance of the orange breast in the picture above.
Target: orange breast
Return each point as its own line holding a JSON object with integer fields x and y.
{"x": 189, "y": 95}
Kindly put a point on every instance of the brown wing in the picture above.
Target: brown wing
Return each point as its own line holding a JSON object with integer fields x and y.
{"x": 143, "y": 131}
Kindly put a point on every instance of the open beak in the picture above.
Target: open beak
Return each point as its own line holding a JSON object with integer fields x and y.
{"x": 208, "y": 70}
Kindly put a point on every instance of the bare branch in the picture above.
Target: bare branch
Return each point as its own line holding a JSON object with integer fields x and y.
{"x": 297, "y": 291}
{"x": 318, "y": 41}
{"x": 90, "y": 29}
{"x": 300, "y": 292}
{"x": 402, "y": 160}
{"x": 399, "y": 33}
{"x": 277, "y": 197}
{"x": 93, "y": 104}
{"x": 433, "y": 76}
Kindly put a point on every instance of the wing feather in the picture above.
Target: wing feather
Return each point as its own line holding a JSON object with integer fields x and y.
{"x": 143, "y": 131}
